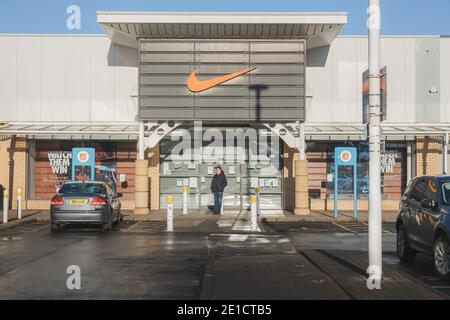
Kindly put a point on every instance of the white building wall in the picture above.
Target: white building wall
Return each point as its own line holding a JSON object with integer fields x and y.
{"x": 335, "y": 88}
{"x": 66, "y": 78}
{"x": 85, "y": 78}
{"x": 398, "y": 55}
{"x": 445, "y": 79}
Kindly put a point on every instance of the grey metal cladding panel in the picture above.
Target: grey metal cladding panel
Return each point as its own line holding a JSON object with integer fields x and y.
{"x": 160, "y": 113}
{"x": 166, "y": 46}
{"x": 166, "y": 102}
{"x": 204, "y": 70}
{"x": 166, "y": 65}
{"x": 281, "y": 102}
{"x": 277, "y": 91}
{"x": 275, "y": 80}
{"x": 219, "y": 58}
{"x": 173, "y": 91}
{"x": 211, "y": 113}
{"x": 165, "y": 68}
{"x": 167, "y": 57}
{"x": 277, "y": 58}
{"x": 213, "y": 102}
{"x": 222, "y": 46}
{"x": 163, "y": 79}
{"x": 428, "y": 71}
{"x": 278, "y": 69}
{"x": 285, "y": 114}
{"x": 225, "y": 91}
{"x": 277, "y": 46}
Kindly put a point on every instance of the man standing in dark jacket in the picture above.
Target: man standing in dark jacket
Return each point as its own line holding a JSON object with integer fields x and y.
{"x": 219, "y": 182}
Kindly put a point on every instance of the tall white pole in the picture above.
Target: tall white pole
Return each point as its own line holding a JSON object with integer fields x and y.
{"x": 185, "y": 200}
{"x": 445, "y": 154}
{"x": 254, "y": 214}
{"x": 302, "y": 143}
{"x": 5, "y": 205}
{"x": 141, "y": 142}
{"x": 19, "y": 203}
{"x": 169, "y": 200}
{"x": 375, "y": 227}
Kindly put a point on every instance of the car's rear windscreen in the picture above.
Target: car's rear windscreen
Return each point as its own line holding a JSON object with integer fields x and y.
{"x": 82, "y": 188}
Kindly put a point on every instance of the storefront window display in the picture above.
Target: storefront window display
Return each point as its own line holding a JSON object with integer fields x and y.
{"x": 321, "y": 158}
{"x": 114, "y": 162}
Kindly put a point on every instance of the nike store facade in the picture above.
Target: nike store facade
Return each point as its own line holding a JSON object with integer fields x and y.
{"x": 163, "y": 98}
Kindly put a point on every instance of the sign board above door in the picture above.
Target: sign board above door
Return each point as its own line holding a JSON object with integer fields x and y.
{"x": 222, "y": 80}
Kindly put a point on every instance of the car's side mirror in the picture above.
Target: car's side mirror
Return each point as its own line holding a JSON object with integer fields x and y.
{"x": 119, "y": 194}
{"x": 428, "y": 204}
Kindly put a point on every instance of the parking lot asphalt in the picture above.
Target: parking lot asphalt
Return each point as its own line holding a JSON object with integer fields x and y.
{"x": 207, "y": 259}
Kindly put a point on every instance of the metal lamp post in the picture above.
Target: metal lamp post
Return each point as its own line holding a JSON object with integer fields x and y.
{"x": 375, "y": 228}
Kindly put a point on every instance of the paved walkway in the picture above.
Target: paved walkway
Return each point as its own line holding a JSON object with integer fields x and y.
{"x": 27, "y": 215}
{"x": 267, "y": 215}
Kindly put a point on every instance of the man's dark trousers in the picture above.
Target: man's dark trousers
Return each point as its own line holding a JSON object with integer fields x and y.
{"x": 218, "y": 202}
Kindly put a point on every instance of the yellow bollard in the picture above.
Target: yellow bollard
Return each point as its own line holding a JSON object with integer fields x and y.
{"x": 169, "y": 213}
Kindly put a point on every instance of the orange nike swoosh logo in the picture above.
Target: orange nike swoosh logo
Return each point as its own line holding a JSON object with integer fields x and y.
{"x": 195, "y": 85}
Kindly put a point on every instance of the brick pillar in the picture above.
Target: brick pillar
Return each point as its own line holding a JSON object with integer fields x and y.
{"x": 428, "y": 156}
{"x": 289, "y": 157}
{"x": 153, "y": 174}
{"x": 301, "y": 188}
{"x": 13, "y": 154}
{"x": 141, "y": 188}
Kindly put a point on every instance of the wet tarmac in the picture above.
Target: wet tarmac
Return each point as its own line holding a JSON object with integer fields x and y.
{"x": 142, "y": 261}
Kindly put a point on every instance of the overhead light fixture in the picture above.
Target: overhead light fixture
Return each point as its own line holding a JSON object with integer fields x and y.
{"x": 433, "y": 90}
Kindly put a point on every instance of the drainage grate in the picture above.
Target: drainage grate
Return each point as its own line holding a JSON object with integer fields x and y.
{"x": 147, "y": 227}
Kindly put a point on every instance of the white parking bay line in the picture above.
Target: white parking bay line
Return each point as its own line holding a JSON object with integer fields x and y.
{"x": 384, "y": 230}
{"x": 345, "y": 228}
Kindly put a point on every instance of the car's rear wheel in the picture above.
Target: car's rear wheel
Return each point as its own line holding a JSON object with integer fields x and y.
{"x": 108, "y": 225}
{"x": 442, "y": 257}
{"x": 404, "y": 252}
{"x": 117, "y": 222}
{"x": 55, "y": 227}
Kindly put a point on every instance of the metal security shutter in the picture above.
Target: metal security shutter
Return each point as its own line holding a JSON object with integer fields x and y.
{"x": 243, "y": 177}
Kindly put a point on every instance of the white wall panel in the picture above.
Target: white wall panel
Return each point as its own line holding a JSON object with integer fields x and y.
{"x": 78, "y": 78}
{"x": 102, "y": 82}
{"x": 346, "y": 63}
{"x": 8, "y": 79}
{"x": 399, "y": 62}
{"x": 345, "y": 84}
{"x": 362, "y": 66}
{"x": 28, "y": 79}
{"x": 53, "y": 80}
{"x": 445, "y": 79}
{"x": 125, "y": 82}
{"x": 409, "y": 80}
{"x": 66, "y": 78}
{"x": 319, "y": 86}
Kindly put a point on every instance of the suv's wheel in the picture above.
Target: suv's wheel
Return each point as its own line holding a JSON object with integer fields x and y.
{"x": 442, "y": 257}
{"x": 405, "y": 253}
{"x": 55, "y": 227}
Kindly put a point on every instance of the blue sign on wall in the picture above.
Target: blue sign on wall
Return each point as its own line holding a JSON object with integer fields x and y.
{"x": 83, "y": 164}
{"x": 346, "y": 156}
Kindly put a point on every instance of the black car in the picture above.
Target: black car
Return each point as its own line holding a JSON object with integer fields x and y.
{"x": 423, "y": 223}
{"x": 80, "y": 202}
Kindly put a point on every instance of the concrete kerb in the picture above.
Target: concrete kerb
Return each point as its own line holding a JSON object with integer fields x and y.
{"x": 26, "y": 217}
{"x": 315, "y": 216}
